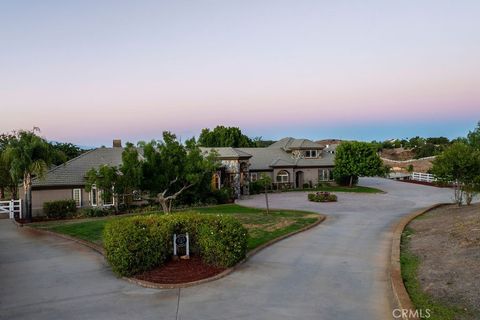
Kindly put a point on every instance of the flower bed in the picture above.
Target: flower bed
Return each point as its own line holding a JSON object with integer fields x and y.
{"x": 322, "y": 197}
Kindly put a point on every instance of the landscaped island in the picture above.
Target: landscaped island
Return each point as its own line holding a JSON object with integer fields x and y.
{"x": 440, "y": 262}
{"x": 262, "y": 228}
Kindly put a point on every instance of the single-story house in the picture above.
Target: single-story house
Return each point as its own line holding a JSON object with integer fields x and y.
{"x": 290, "y": 163}
{"x": 67, "y": 181}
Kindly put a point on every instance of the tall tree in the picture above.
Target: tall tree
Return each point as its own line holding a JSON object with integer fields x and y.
{"x": 222, "y": 136}
{"x": 459, "y": 164}
{"x": 355, "y": 159}
{"x": 29, "y": 156}
{"x": 169, "y": 168}
{"x": 130, "y": 175}
{"x": 65, "y": 152}
{"x": 473, "y": 137}
{"x": 105, "y": 179}
{"x": 6, "y": 179}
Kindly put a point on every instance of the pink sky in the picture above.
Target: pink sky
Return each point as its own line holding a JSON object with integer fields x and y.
{"x": 89, "y": 72}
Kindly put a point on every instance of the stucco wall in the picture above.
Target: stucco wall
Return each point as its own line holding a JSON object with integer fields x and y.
{"x": 39, "y": 197}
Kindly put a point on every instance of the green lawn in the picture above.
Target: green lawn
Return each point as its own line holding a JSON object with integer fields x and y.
{"x": 262, "y": 227}
{"x": 328, "y": 188}
{"x": 421, "y": 300}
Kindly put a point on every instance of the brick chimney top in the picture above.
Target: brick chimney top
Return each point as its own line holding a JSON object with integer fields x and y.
{"x": 117, "y": 143}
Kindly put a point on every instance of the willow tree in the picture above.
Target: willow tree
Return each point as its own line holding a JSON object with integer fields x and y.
{"x": 28, "y": 156}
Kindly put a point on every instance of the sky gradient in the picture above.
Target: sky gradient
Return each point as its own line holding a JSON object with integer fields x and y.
{"x": 90, "y": 71}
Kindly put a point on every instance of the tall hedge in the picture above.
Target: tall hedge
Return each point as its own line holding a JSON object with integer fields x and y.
{"x": 141, "y": 243}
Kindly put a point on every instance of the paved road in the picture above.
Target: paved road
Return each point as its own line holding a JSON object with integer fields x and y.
{"x": 334, "y": 271}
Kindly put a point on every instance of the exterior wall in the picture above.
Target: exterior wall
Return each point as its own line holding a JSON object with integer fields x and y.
{"x": 291, "y": 175}
{"x": 259, "y": 174}
{"x": 310, "y": 175}
{"x": 39, "y": 197}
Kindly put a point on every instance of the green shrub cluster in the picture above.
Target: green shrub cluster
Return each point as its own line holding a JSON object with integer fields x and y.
{"x": 135, "y": 244}
{"x": 140, "y": 243}
{"x": 322, "y": 197}
{"x": 94, "y": 212}
{"x": 256, "y": 187}
{"x": 59, "y": 209}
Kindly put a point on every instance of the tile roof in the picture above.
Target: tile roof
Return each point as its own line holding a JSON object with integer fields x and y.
{"x": 289, "y": 144}
{"x": 228, "y": 152}
{"x": 72, "y": 172}
{"x": 267, "y": 158}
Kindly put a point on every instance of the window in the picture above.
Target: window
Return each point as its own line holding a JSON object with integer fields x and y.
{"x": 325, "y": 174}
{"x": 93, "y": 196}
{"x": 310, "y": 153}
{"x": 77, "y": 196}
{"x": 283, "y": 177}
{"x": 108, "y": 200}
{"x": 253, "y": 176}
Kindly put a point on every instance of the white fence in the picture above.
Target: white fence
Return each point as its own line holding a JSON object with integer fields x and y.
{"x": 424, "y": 177}
{"x": 12, "y": 207}
{"x": 408, "y": 161}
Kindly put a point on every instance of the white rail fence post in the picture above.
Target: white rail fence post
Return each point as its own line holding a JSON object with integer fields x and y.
{"x": 423, "y": 177}
{"x": 11, "y": 207}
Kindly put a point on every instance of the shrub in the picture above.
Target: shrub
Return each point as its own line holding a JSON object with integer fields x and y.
{"x": 306, "y": 185}
{"x": 222, "y": 241}
{"x": 256, "y": 187}
{"x": 59, "y": 209}
{"x": 94, "y": 212}
{"x": 136, "y": 244}
{"x": 140, "y": 243}
{"x": 322, "y": 197}
{"x": 223, "y": 195}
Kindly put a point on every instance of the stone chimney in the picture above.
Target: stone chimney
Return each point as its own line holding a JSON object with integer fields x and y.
{"x": 117, "y": 143}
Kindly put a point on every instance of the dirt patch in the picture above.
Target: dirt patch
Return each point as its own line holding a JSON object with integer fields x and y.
{"x": 418, "y": 165}
{"x": 283, "y": 223}
{"x": 180, "y": 271}
{"x": 447, "y": 241}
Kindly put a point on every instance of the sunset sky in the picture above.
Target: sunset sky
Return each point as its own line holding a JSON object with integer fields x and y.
{"x": 89, "y": 71}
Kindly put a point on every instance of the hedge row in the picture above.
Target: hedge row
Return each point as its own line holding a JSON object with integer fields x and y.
{"x": 141, "y": 243}
{"x": 322, "y": 197}
{"x": 59, "y": 209}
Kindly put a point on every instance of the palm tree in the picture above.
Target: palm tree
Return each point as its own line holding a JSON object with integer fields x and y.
{"x": 29, "y": 156}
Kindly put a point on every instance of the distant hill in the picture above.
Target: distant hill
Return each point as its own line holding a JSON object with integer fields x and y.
{"x": 329, "y": 141}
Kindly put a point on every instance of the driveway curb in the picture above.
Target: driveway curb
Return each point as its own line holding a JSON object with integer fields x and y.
{"x": 154, "y": 285}
{"x": 401, "y": 299}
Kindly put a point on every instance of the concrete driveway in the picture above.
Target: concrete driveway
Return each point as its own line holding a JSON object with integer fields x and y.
{"x": 337, "y": 270}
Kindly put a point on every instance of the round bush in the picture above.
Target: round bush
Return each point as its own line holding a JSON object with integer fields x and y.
{"x": 136, "y": 244}
{"x": 141, "y": 243}
{"x": 222, "y": 241}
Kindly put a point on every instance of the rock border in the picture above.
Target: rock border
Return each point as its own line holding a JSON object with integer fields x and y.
{"x": 153, "y": 285}
{"x": 401, "y": 298}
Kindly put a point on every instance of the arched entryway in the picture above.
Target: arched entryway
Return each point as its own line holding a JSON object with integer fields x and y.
{"x": 299, "y": 179}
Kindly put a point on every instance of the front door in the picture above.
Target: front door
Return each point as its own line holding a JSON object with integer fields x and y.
{"x": 299, "y": 179}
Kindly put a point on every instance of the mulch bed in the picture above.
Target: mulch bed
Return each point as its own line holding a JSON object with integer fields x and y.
{"x": 180, "y": 271}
